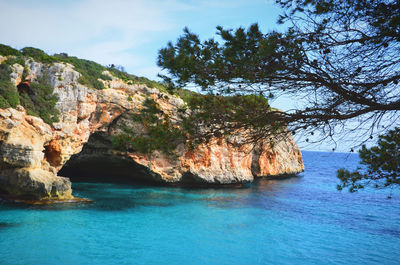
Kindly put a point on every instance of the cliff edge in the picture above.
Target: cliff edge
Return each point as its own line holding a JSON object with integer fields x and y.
{"x": 32, "y": 152}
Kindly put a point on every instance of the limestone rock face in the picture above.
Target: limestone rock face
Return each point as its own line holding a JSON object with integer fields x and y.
{"x": 24, "y": 171}
{"x": 33, "y": 152}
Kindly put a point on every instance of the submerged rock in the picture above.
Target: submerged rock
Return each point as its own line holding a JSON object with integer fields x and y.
{"x": 33, "y": 152}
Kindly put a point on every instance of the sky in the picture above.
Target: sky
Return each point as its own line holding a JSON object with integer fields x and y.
{"x": 130, "y": 32}
{"x": 122, "y": 32}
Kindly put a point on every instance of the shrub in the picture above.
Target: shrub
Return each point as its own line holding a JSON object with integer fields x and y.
{"x": 28, "y": 104}
{"x": 14, "y": 60}
{"x": 185, "y": 94}
{"x": 3, "y": 103}
{"x": 25, "y": 73}
{"x": 42, "y": 102}
{"x": 132, "y": 79}
{"x": 7, "y": 50}
{"x": 90, "y": 71}
{"x": 38, "y": 55}
{"x": 5, "y": 72}
{"x": 9, "y": 92}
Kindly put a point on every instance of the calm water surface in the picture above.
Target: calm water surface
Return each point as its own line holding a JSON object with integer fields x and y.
{"x": 300, "y": 220}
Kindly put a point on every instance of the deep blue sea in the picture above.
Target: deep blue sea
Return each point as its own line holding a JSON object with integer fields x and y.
{"x": 299, "y": 220}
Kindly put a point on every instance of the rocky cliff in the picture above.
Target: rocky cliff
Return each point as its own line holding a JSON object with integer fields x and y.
{"x": 32, "y": 153}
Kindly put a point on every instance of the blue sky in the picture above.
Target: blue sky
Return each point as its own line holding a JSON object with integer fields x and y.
{"x": 130, "y": 32}
{"x": 123, "y": 32}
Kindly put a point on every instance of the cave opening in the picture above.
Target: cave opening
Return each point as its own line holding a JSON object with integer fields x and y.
{"x": 98, "y": 163}
{"x": 24, "y": 87}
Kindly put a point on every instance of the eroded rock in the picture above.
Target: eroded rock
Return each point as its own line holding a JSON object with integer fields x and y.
{"x": 32, "y": 152}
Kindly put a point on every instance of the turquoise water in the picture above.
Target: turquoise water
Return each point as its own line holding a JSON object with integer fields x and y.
{"x": 300, "y": 220}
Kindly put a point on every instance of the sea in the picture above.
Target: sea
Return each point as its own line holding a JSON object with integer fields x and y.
{"x": 295, "y": 220}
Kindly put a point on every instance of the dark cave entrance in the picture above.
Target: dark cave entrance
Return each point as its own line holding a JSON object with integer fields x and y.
{"x": 24, "y": 87}
{"x": 98, "y": 163}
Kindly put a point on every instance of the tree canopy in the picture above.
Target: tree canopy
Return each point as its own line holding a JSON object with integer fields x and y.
{"x": 341, "y": 58}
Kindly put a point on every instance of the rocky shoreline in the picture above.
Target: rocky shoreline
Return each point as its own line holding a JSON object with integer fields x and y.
{"x": 32, "y": 153}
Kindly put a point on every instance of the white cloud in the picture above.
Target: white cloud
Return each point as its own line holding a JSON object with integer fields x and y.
{"x": 53, "y": 24}
{"x": 100, "y": 30}
{"x": 125, "y": 32}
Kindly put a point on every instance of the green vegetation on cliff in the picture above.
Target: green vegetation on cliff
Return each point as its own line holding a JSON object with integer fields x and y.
{"x": 8, "y": 92}
{"x": 133, "y": 79}
{"x": 41, "y": 102}
{"x": 7, "y": 50}
{"x": 38, "y": 101}
{"x": 161, "y": 134}
{"x": 91, "y": 71}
